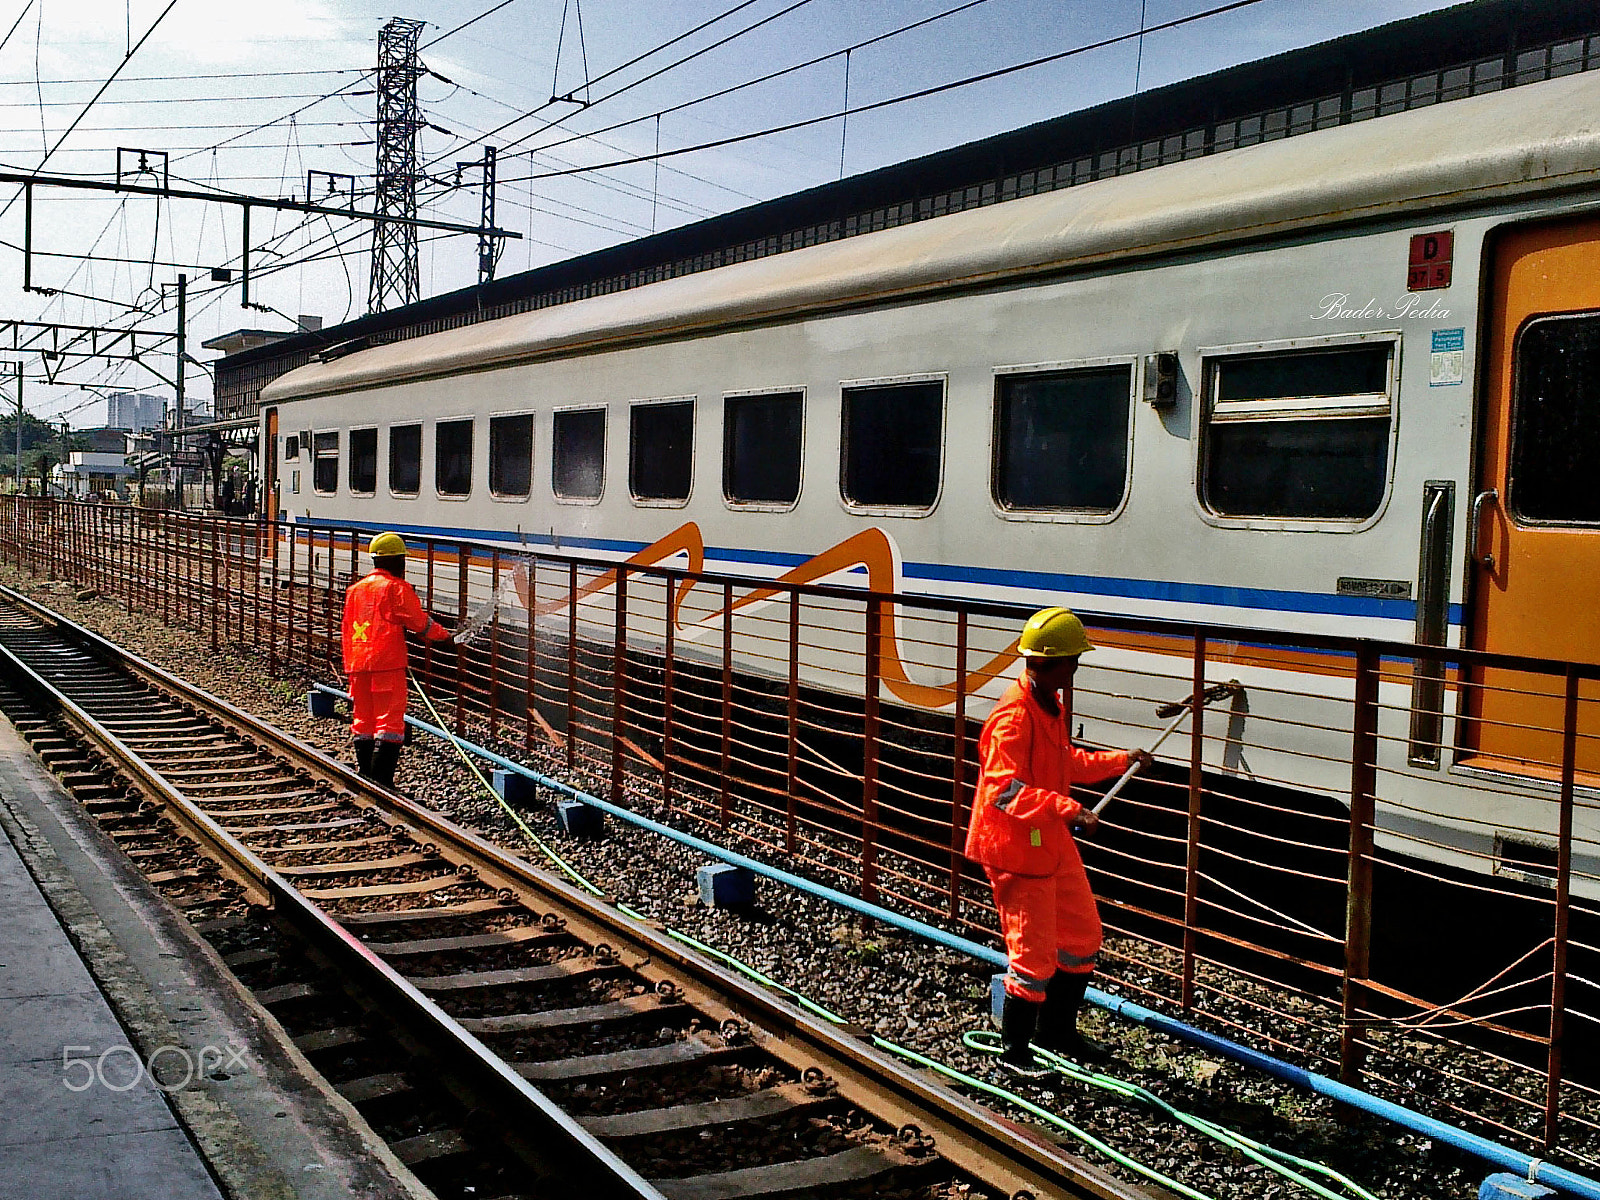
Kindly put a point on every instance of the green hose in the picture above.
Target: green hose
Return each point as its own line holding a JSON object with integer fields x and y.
{"x": 980, "y": 1040}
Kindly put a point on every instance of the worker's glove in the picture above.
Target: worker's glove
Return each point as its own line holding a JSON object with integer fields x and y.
{"x": 1085, "y": 822}
{"x": 1140, "y": 759}
{"x": 438, "y": 633}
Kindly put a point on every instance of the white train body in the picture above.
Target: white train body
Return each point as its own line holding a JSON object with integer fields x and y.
{"x": 1289, "y": 247}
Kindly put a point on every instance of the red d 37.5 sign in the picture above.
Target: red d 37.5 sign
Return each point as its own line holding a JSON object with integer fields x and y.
{"x": 1430, "y": 261}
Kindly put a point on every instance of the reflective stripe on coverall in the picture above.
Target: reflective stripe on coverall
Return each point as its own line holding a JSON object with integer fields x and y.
{"x": 1020, "y": 834}
{"x": 378, "y": 610}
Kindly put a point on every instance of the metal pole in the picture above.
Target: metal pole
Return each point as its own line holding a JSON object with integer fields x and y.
{"x": 572, "y": 663}
{"x": 1358, "y": 900}
{"x": 462, "y": 565}
{"x": 216, "y": 593}
{"x": 668, "y": 684}
{"x": 619, "y": 683}
{"x": 1558, "y": 980}
{"x": 493, "y": 670}
{"x": 1191, "y": 867}
{"x": 18, "y": 366}
{"x": 792, "y": 741}
{"x": 530, "y": 687}
{"x": 869, "y": 753}
{"x": 724, "y": 761}
{"x": 958, "y": 770}
{"x": 178, "y": 421}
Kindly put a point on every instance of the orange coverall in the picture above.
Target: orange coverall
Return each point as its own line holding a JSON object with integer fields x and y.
{"x": 1021, "y": 834}
{"x": 377, "y": 612}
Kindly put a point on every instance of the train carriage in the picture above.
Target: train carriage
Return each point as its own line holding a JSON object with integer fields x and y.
{"x": 1343, "y": 383}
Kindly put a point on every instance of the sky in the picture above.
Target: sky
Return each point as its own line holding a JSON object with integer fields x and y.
{"x": 249, "y": 97}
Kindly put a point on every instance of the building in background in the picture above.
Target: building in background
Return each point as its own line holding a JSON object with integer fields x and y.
{"x": 89, "y": 473}
{"x": 109, "y": 440}
{"x": 135, "y": 411}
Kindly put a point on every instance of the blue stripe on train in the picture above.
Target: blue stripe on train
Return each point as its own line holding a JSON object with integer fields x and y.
{"x": 1264, "y": 599}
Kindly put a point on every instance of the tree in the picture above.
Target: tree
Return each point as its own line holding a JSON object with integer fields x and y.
{"x": 35, "y": 433}
{"x": 43, "y": 460}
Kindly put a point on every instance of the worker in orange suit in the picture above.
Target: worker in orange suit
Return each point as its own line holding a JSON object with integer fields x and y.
{"x": 1023, "y": 819}
{"x": 378, "y": 610}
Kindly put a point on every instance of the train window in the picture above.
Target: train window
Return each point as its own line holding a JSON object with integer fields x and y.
{"x": 1061, "y": 440}
{"x": 578, "y": 453}
{"x": 291, "y": 445}
{"x": 452, "y": 458}
{"x": 1299, "y": 435}
{"x": 661, "y": 450}
{"x": 1555, "y": 422}
{"x": 363, "y": 460}
{"x": 892, "y": 443}
{"x": 761, "y": 438}
{"x": 325, "y": 462}
{"x": 405, "y": 459}
{"x": 511, "y": 456}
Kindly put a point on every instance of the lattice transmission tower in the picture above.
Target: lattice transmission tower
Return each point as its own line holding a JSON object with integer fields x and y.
{"x": 395, "y": 279}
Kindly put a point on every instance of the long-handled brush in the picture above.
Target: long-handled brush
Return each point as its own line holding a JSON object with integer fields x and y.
{"x": 1177, "y": 712}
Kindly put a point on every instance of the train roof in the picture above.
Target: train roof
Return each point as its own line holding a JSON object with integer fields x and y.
{"x": 1532, "y": 140}
{"x": 1436, "y": 57}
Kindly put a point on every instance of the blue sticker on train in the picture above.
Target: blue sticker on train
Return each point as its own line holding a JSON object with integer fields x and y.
{"x": 1448, "y": 363}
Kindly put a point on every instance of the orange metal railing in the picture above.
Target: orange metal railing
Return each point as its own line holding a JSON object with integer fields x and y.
{"x": 1288, "y": 874}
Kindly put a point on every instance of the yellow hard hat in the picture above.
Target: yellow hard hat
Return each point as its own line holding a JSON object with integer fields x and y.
{"x": 387, "y": 545}
{"x": 1053, "y": 633}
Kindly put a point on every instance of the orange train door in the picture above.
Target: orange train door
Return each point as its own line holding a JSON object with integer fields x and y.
{"x": 1534, "y": 525}
{"x": 267, "y": 502}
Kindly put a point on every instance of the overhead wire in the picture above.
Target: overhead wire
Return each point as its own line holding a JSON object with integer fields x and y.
{"x": 170, "y": 100}
{"x": 101, "y": 91}
{"x": 181, "y": 78}
{"x": 338, "y": 247}
{"x": 906, "y": 97}
{"x": 559, "y": 124}
{"x": 636, "y": 59}
{"x": 488, "y": 12}
{"x": 774, "y": 74}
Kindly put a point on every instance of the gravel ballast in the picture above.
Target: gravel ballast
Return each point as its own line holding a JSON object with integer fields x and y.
{"x": 896, "y": 986}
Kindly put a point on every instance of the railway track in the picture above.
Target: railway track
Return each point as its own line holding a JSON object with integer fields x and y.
{"x": 509, "y": 1034}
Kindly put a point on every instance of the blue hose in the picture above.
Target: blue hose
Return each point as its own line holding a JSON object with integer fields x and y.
{"x": 1524, "y": 1165}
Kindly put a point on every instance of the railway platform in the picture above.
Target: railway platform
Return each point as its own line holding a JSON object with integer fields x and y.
{"x": 130, "y": 1063}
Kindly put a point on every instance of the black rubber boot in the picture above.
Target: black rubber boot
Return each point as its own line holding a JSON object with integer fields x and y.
{"x": 364, "y": 756}
{"x": 384, "y": 760}
{"x": 1018, "y": 1019}
{"x": 1059, "y": 1020}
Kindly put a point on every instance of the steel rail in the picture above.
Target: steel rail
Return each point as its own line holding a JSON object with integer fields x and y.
{"x": 592, "y": 1164}
{"x": 1017, "y": 1160}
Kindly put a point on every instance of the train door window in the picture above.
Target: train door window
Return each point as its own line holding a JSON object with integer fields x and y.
{"x": 405, "y": 459}
{"x": 325, "y": 462}
{"x": 452, "y": 458}
{"x": 893, "y": 442}
{"x": 578, "y": 453}
{"x": 511, "y": 456}
{"x": 1061, "y": 439}
{"x": 1301, "y": 434}
{"x": 1555, "y": 422}
{"x": 661, "y": 450}
{"x": 761, "y": 446}
{"x": 363, "y": 461}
